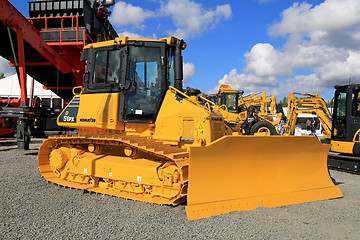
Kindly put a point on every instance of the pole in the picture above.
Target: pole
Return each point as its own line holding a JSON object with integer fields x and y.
{"x": 22, "y": 133}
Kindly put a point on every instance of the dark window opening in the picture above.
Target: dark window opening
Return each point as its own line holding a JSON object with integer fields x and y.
{"x": 339, "y": 118}
{"x": 355, "y": 106}
{"x": 106, "y": 67}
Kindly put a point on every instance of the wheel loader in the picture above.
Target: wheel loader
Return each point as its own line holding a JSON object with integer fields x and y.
{"x": 252, "y": 114}
{"x": 140, "y": 137}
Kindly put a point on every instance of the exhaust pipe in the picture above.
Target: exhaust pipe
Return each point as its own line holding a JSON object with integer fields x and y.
{"x": 178, "y": 64}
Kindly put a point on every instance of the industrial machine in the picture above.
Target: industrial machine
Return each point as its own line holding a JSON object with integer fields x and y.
{"x": 261, "y": 114}
{"x": 307, "y": 103}
{"x": 345, "y": 134}
{"x": 140, "y": 137}
{"x": 254, "y": 113}
{"x": 257, "y": 113}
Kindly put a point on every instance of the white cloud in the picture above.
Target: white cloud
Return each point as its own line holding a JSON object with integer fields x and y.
{"x": 128, "y": 14}
{"x": 188, "y": 71}
{"x": 191, "y": 19}
{"x": 346, "y": 39}
{"x": 136, "y": 35}
{"x": 323, "y": 40}
{"x": 300, "y": 83}
{"x": 246, "y": 82}
{"x": 329, "y": 15}
{"x": 264, "y": 60}
{"x": 338, "y": 71}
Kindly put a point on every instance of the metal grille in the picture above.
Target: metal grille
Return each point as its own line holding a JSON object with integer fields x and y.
{"x": 188, "y": 127}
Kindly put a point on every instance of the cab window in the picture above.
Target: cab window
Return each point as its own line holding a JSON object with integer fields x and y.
{"x": 145, "y": 75}
{"x": 339, "y": 119}
{"x": 106, "y": 67}
{"x": 355, "y": 107}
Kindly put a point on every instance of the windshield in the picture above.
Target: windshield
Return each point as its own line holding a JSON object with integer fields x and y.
{"x": 171, "y": 69}
{"x": 230, "y": 100}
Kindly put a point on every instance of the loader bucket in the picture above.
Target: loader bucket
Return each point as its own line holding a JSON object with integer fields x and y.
{"x": 239, "y": 173}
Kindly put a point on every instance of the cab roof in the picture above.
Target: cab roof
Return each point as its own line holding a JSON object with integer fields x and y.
{"x": 121, "y": 41}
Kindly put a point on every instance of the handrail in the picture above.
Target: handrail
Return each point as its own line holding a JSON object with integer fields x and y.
{"x": 78, "y": 87}
{"x": 207, "y": 100}
{"x": 188, "y": 97}
{"x": 178, "y": 91}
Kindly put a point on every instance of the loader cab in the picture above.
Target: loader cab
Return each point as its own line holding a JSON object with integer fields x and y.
{"x": 231, "y": 100}
{"x": 140, "y": 71}
{"x": 346, "y": 115}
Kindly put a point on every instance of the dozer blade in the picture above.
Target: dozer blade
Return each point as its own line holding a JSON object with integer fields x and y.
{"x": 239, "y": 173}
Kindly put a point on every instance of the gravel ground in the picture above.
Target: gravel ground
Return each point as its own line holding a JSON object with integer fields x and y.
{"x": 31, "y": 208}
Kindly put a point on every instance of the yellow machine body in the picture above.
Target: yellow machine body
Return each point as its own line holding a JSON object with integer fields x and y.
{"x": 95, "y": 111}
{"x": 182, "y": 154}
{"x": 344, "y": 146}
{"x": 176, "y": 120}
{"x": 345, "y": 135}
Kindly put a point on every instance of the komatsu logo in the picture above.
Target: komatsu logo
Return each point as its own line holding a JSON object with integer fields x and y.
{"x": 68, "y": 119}
{"x": 87, "y": 120}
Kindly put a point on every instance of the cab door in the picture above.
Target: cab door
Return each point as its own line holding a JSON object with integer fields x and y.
{"x": 146, "y": 74}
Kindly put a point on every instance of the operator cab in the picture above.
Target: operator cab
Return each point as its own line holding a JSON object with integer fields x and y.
{"x": 346, "y": 116}
{"x": 140, "y": 70}
{"x": 231, "y": 100}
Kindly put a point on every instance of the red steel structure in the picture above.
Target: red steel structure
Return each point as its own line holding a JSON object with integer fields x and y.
{"x": 71, "y": 50}
{"x": 41, "y": 58}
{"x": 48, "y": 45}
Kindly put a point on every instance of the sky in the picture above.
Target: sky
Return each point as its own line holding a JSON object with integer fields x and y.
{"x": 277, "y": 46}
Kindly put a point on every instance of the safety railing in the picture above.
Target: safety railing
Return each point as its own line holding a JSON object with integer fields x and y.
{"x": 66, "y": 27}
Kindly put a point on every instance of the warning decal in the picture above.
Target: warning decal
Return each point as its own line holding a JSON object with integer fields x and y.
{"x": 200, "y": 130}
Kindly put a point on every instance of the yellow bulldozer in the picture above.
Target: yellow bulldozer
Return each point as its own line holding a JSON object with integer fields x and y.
{"x": 140, "y": 137}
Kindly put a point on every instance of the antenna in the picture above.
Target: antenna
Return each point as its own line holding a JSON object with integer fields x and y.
{"x": 350, "y": 79}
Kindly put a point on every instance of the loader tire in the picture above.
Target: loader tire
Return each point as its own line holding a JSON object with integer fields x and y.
{"x": 263, "y": 126}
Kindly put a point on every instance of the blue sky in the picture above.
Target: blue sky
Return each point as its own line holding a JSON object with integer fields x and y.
{"x": 278, "y": 46}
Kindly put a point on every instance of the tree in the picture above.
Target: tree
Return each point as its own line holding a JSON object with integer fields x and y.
{"x": 330, "y": 103}
{"x": 2, "y": 75}
{"x": 284, "y": 102}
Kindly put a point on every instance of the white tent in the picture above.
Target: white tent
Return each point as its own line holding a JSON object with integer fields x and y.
{"x": 10, "y": 88}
